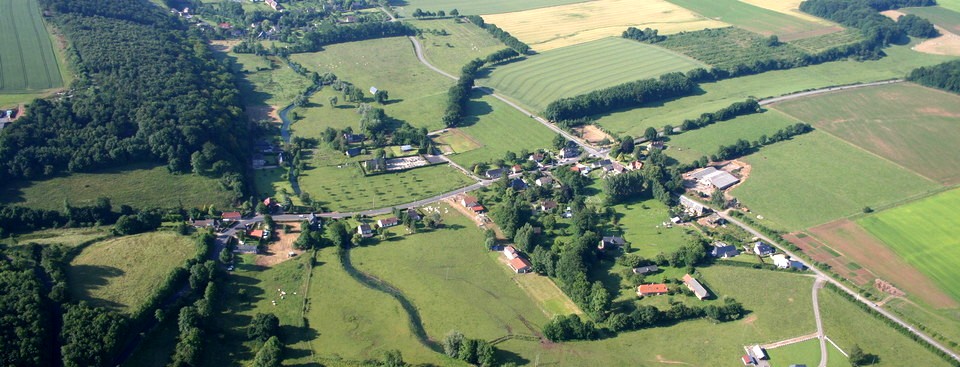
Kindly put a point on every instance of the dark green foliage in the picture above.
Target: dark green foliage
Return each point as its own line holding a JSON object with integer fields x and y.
{"x": 270, "y": 354}
{"x": 743, "y": 147}
{"x": 511, "y": 215}
{"x": 452, "y": 343}
{"x": 944, "y": 76}
{"x": 500, "y": 34}
{"x": 747, "y": 107}
{"x": 23, "y": 317}
{"x": 864, "y": 15}
{"x": 525, "y": 239}
{"x": 916, "y": 26}
{"x": 731, "y": 48}
{"x": 624, "y": 186}
{"x": 315, "y": 40}
{"x": 502, "y": 55}
{"x": 459, "y": 93}
{"x": 144, "y": 221}
{"x": 626, "y": 95}
{"x": 570, "y": 327}
{"x": 646, "y": 35}
{"x": 263, "y": 326}
{"x": 90, "y": 336}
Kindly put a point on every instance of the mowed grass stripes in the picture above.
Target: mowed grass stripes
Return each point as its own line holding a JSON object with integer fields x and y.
{"x": 573, "y": 70}
{"x": 27, "y": 61}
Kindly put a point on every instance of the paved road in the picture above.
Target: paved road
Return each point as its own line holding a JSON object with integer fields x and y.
{"x": 816, "y": 314}
{"x": 821, "y": 274}
{"x": 788, "y": 97}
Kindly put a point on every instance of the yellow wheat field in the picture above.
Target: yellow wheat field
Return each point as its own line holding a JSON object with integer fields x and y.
{"x": 549, "y": 28}
{"x": 788, "y": 7}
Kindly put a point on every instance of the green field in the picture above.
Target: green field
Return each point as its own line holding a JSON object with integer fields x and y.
{"x": 757, "y": 19}
{"x": 417, "y": 94}
{"x": 140, "y": 186}
{"x": 28, "y": 63}
{"x": 464, "y": 42}
{"x": 913, "y": 126}
{"x": 66, "y": 236}
{"x": 815, "y": 178}
{"x": 808, "y": 353}
{"x": 499, "y": 128}
{"x": 691, "y": 145}
{"x": 814, "y": 45}
{"x": 112, "y": 273}
{"x": 939, "y": 15}
{"x": 726, "y": 48}
{"x": 578, "y": 69}
{"x": 641, "y": 225}
{"x": 950, "y": 4}
{"x": 467, "y": 7}
{"x": 925, "y": 234}
{"x": 265, "y": 92}
{"x": 899, "y": 61}
{"x": 339, "y": 184}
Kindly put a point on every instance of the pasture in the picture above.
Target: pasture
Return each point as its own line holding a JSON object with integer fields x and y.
{"x": 560, "y": 26}
{"x": 725, "y": 48}
{"x": 266, "y": 84}
{"x": 457, "y": 141}
{"x": 899, "y": 61}
{"x": 417, "y": 94}
{"x": 641, "y": 224}
{"x": 500, "y": 128}
{"x": 579, "y": 69}
{"x": 953, "y": 5}
{"x": 925, "y": 234}
{"x": 65, "y": 236}
{"x": 139, "y": 185}
{"x": 946, "y": 18}
{"x": 468, "y": 7}
{"x": 339, "y": 184}
{"x": 913, "y": 126}
{"x": 463, "y": 42}
{"x": 112, "y": 274}
{"x": 758, "y": 19}
{"x": 815, "y": 178}
{"x": 808, "y": 353}
{"x": 691, "y": 145}
{"x": 28, "y": 63}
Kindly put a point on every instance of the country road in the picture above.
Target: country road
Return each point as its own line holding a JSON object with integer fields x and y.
{"x": 764, "y": 102}
{"x": 817, "y": 285}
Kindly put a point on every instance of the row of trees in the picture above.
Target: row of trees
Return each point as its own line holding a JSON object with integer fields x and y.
{"x": 500, "y": 34}
{"x": 476, "y": 352}
{"x": 315, "y": 40}
{"x": 730, "y": 112}
{"x": 627, "y": 95}
{"x": 459, "y": 93}
{"x": 743, "y": 147}
{"x": 944, "y": 76}
{"x": 419, "y": 13}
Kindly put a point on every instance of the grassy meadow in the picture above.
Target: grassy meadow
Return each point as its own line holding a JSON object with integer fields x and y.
{"x": 953, "y": 5}
{"x": 579, "y": 69}
{"x": 467, "y": 7}
{"x": 140, "y": 186}
{"x": 499, "y": 128}
{"x": 112, "y": 274}
{"x": 641, "y": 224}
{"x": 266, "y": 84}
{"x": 899, "y": 61}
{"x": 925, "y": 234}
{"x": 464, "y": 42}
{"x": 808, "y": 353}
{"x": 417, "y": 94}
{"x": 939, "y": 15}
{"x": 913, "y": 126}
{"x": 560, "y": 26}
{"x": 760, "y": 20}
{"x": 65, "y": 236}
{"x": 691, "y": 145}
{"x": 817, "y": 44}
{"x": 815, "y": 178}
{"x": 28, "y": 63}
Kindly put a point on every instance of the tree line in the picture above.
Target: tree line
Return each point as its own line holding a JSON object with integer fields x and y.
{"x": 944, "y": 76}
{"x": 459, "y": 94}
{"x": 864, "y": 15}
{"x": 627, "y": 95}
{"x": 743, "y": 147}
{"x": 314, "y": 41}
{"x": 500, "y": 34}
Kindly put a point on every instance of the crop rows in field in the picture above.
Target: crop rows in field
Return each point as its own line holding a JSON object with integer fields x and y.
{"x": 726, "y": 48}
{"x": 27, "y": 62}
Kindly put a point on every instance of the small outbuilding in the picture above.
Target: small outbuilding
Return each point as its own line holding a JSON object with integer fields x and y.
{"x": 646, "y": 269}
{"x": 694, "y": 285}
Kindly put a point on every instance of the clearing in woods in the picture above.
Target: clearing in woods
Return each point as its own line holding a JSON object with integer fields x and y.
{"x": 112, "y": 274}
{"x": 549, "y": 28}
{"x": 574, "y": 70}
{"x": 925, "y": 234}
{"x": 760, "y": 20}
{"x": 948, "y": 42}
{"x": 913, "y": 126}
{"x": 28, "y": 62}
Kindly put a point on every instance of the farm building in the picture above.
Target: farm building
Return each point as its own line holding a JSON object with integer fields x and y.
{"x": 206, "y": 223}
{"x": 747, "y": 360}
{"x": 510, "y": 252}
{"x": 713, "y": 177}
{"x": 365, "y": 231}
{"x": 758, "y": 352}
{"x": 646, "y": 269}
{"x": 611, "y": 242}
{"x": 692, "y": 207}
{"x": 478, "y": 209}
{"x": 695, "y": 286}
{"x": 651, "y": 289}
{"x": 388, "y": 222}
{"x": 406, "y": 148}
{"x": 762, "y": 249}
{"x": 520, "y": 265}
{"x": 231, "y": 216}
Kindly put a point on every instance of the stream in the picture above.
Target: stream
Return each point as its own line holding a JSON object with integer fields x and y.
{"x": 285, "y": 135}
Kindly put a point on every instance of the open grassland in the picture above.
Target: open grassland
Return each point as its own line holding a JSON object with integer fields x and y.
{"x": 463, "y": 42}
{"x": 943, "y": 17}
{"x": 140, "y": 186}
{"x": 916, "y": 127}
{"x": 470, "y": 7}
{"x": 899, "y": 61}
{"x": 925, "y": 234}
{"x": 691, "y": 145}
{"x": 846, "y": 324}
{"x": 114, "y": 273}
{"x": 417, "y": 94}
{"x": 311, "y": 119}
{"x": 456, "y": 283}
{"x": 339, "y": 184}
{"x": 66, "y": 236}
{"x": 266, "y": 84}
{"x": 499, "y": 128}
{"x": 953, "y": 5}
{"x": 815, "y": 178}
{"x": 28, "y": 62}
{"x": 726, "y": 48}
{"x": 457, "y": 141}
{"x": 942, "y": 321}
{"x": 579, "y": 69}
{"x": 806, "y": 353}
{"x": 760, "y": 20}
{"x": 641, "y": 224}
{"x": 549, "y": 28}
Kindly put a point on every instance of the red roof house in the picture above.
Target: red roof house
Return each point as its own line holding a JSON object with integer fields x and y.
{"x": 231, "y": 216}
{"x": 652, "y": 289}
{"x": 520, "y": 265}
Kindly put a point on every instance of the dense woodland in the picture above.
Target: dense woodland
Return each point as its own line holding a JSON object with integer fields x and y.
{"x": 944, "y": 76}
{"x": 864, "y": 15}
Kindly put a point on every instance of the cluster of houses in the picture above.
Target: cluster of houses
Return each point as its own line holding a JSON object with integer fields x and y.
{"x": 722, "y": 250}
{"x": 657, "y": 289}
{"x": 365, "y": 230}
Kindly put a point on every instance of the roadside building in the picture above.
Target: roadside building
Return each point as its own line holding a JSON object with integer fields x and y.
{"x": 762, "y": 249}
{"x": 388, "y": 222}
{"x": 510, "y": 252}
{"x": 723, "y": 250}
{"x": 231, "y": 216}
{"x": 611, "y": 242}
{"x": 468, "y": 201}
{"x": 545, "y": 181}
{"x": 365, "y": 231}
{"x": 693, "y": 208}
{"x": 548, "y": 205}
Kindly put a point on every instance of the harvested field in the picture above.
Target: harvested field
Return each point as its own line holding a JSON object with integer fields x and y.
{"x": 947, "y": 44}
{"x": 279, "y": 251}
{"x": 479, "y": 7}
{"x": 559, "y": 26}
{"x": 788, "y": 7}
{"x": 819, "y": 252}
{"x": 592, "y": 134}
{"x": 758, "y": 19}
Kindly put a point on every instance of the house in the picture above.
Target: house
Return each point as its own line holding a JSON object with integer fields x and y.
{"x": 646, "y": 269}
{"x": 715, "y": 219}
{"x": 388, "y": 222}
{"x": 536, "y": 157}
{"x": 651, "y": 289}
{"x": 548, "y": 205}
{"x": 414, "y": 214}
{"x": 315, "y": 220}
{"x": 568, "y": 152}
{"x": 601, "y": 163}
{"x": 273, "y": 4}
{"x": 231, "y": 216}
{"x": 655, "y": 145}
{"x": 510, "y": 252}
{"x": 353, "y": 138}
{"x": 406, "y": 148}
{"x": 224, "y": 25}
{"x": 374, "y": 90}
{"x": 259, "y": 233}
{"x": 758, "y": 352}
{"x": 692, "y": 207}
{"x": 516, "y": 169}
{"x": 723, "y": 250}
{"x": 494, "y": 173}
{"x": 781, "y": 261}
{"x": 349, "y": 19}
{"x": 747, "y": 360}
{"x": 635, "y": 165}
{"x": 695, "y": 286}
{"x": 352, "y": 152}
{"x": 365, "y": 231}
{"x": 520, "y": 265}
{"x": 545, "y": 181}
{"x": 615, "y": 167}
{"x": 468, "y": 201}
{"x": 478, "y": 209}
{"x": 611, "y": 242}
{"x": 518, "y": 184}
{"x": 206, "y": 223}
{"x": 762, "y": 249}
{"x": 269, "y": 202}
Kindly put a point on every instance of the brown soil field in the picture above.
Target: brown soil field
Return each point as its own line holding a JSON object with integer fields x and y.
{"x": 853, "y": 242}
{"x": 947, "y": 44}
{"x": 279, "y": 250}
{"x": 817, "y": 251}
{"x": 592, "y": 134}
